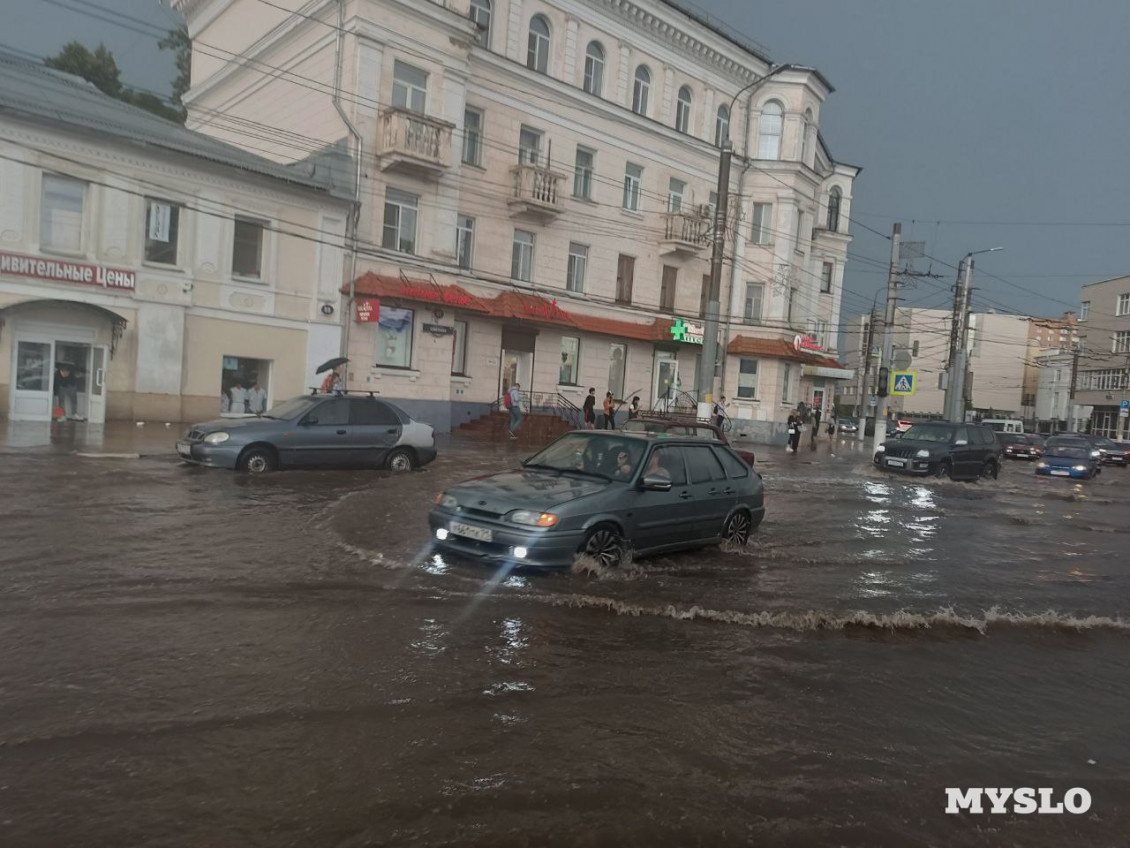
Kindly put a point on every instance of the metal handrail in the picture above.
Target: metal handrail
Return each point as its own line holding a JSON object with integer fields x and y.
{"x": 551, "y": 403}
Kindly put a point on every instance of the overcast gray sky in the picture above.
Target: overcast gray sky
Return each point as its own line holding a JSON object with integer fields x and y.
{"x": 978, "y": 123}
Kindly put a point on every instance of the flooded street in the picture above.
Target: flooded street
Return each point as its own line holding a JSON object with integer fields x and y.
{"x": 197, "y": 658}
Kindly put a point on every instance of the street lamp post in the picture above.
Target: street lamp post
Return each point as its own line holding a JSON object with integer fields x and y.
{"x": 959, "y": 359}
{"x": 708, "y": 363}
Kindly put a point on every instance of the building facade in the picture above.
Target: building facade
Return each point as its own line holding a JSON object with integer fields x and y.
{"x": 1052, "y": 407}
{"x": 537, "y": 189}
{"x": 1045, "y": 336}
{"x": 148, "y": 272}
{"x": 1103, "y": 377}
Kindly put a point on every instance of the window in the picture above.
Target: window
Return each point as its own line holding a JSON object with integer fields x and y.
{"x": 805, "y": 132}
{"x": 617, "y": 361}
{"x": 826, "y": 278}
{"x": 754, "y": 292}
{"x": 1104, "y": 379}
{"x": 594, "y": 69}
{"x": 1123, "y": 305}
{"x": 473, "y": 137}
{"x": 769, "y": 131}
{"x": 582, "y": 174}
{"x": 735, "y": 468}
{"x": 60, "y": 214}
{"x": 247, "y": 249}
{"x": 522, "y": 256}
{"x": 400, "y": 221}
{"x": 675, "y": 190}
{"x": 570, "y": 349}
{"x": 722, "y": 126}
{"x": 409, "y": 87}
{"x": 1084, "y": 310}
{"x": 683, "y": 110}
{"x": 762, "y": 223}
{"x": 529, "y": 146}
{"x": 329, "y": 413}
{"x": 162, "y": 225}
{"x": 459, "y": 349}
{"x": 537, "y": 50}
{"x": 633, "y": 176}
{"x": 465, "y": 241}
{"x": 786, "y": 378}
{"x": 670, "y": 459}
{"x": 480, "y": 14}
{"x": 640, "y": 90}
{"x": 799, "y": 230}
{"x": 834, "y": 210}
{"x": 368, "y": 412}
{"x": 243, "y": 385}
{"x": 704, "y": 296}
{"x": 820, "y": 332}
{"x": 747, "y": 379}
{"x": 578, "y": 263}
{"x": 625, "y": 276}
{"x": 667, "y": 288}
{"x": 1121, "y": 342}
{"x": 394, "y": 337}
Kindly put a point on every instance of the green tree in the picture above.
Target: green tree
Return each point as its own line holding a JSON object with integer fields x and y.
{"x": 178, "y": 41}
{"x": 96, "y": 67}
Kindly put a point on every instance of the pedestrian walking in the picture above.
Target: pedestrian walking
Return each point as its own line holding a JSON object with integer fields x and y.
{"x": 588, "y": 410}
{"x": 66, "y": 388}
{"x": 514, "y": 404}
{"x": 609, "y": 412}
{"x": 720, "y": 412}
{"x": 634, "y": 408}
{"x": 815, "y": 425}
{"x": 831, "y": 430}
{"x": 794, "y": 426}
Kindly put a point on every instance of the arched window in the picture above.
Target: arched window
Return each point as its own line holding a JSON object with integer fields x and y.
{"x": 805, "y": 135}
{"x": 640, "y": 90}
{"x": 769, "y": 131}
{"x": 834, "y": 198}
{"x": 683, "y": 110}
{"x": 594, "y": 69}
{"x": 537, "y": 52}
{"x": 480, "y": 14}
{"x": 722, "y": 126}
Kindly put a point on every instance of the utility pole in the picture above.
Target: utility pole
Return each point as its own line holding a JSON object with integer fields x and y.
{"x": 864, "y": 390}
{"x": 956, "y": 389}
{"x": 1071, "y": 389}
{"x": 886, "y": 354}
{"x": 708, "y": 363}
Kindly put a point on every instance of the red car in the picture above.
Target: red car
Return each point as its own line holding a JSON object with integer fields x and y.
{"x": 1021, "y": 445}
{"x": 684, "y": 427}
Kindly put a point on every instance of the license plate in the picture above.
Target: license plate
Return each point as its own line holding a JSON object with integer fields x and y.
{"x": 1059, "y": 473}
{"x": 481, "y": 534}
{"x": 183, "y": 449}
{"x": 897, "y": 463}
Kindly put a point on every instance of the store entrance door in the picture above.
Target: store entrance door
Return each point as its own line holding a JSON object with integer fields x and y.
{"x": 55, "y": 374}
{"x": 517, "y": 359}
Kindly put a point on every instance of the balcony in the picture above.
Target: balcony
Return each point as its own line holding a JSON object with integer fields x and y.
{"x": 535, "y": 192}
{"x": 686, "y": 233}
{"x": 414, "y": 143}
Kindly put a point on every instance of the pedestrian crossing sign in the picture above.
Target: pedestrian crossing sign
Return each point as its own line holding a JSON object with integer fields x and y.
{"x": 902, "y": 382}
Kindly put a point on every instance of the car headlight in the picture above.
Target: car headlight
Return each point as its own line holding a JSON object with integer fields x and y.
{"x": 1079, "y": 467}
{"x": 1096, "y": 454}
{"x": 880, "y": 449}
{"x": 532, "y": 518}
{"x": 216, "y": 438}
{"x": 923, "y": 454}
{"x": 1041, "y": 464}
{"x": 447, "y": 501}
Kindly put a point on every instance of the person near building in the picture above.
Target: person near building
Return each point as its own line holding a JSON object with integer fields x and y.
{"x": 238, "y": 397}
{"x": 588, "y": 410}
{"x": 332, "y": 383}
{"x": 257, "y": 399}
{"x": 720, "y": 412}
{"x": 634, "y": 408}
{"x": 815, "y": 424}
{"x": 66, "y": 388}
{"x": 514, "y": 404}
{"x": 609, "y": 412}
{"x": 794, "y": 424}
{"x": 831, "y": 430}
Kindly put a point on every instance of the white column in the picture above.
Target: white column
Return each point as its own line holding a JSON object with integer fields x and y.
{"x": 571, "y": 51}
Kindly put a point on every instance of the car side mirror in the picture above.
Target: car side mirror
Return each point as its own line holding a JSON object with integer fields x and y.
{"x": 656, "y": 483}
{"x": 960, "y": 443}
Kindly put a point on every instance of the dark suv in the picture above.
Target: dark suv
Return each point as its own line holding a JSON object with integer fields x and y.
{"x": 943, "y": 449}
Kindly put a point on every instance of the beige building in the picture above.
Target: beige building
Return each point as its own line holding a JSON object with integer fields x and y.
{"x": 1045, "y": 335}
{"x": 148, "y": 272}
{"x": 1103, "y": 378}
{"x": 537, "y": 185}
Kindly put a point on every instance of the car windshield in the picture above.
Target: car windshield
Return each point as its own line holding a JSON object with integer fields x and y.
{"x": 929, "y": 433}
{"x": 591, "y": 453}
{"x": 1012, "y": 439}
{"x": 1071, "y": 451}
{"x": 291, "y": 408}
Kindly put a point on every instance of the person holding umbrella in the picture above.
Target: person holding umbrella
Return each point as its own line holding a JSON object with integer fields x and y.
{"x": 332, "y": 384}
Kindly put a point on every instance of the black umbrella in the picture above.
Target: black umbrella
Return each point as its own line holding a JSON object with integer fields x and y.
{"x": 332, "y": 363}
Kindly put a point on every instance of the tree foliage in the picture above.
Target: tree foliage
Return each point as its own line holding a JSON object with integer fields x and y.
{"x": 97, "y": 67}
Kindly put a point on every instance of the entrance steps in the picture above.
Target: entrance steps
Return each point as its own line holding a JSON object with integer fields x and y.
{"x": 537, "y": 428}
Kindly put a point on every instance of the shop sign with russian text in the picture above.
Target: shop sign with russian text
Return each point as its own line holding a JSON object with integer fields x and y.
{"x": 61, "y": 271}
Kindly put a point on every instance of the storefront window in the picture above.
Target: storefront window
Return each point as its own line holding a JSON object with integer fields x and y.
{"x": 618, "y": 356}
{"x": 33, "y": 366}
{"x": 747, "y": 379}
{"x": 244, "y": 385}
{"x": 570, "y": 348}
{"x": 786, "y": 377}
{"x": 459, "y": 349}
{"x": 394, "y": 337}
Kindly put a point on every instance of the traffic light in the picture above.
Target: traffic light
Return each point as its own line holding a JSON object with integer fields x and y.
{"x": 883, "y": 389}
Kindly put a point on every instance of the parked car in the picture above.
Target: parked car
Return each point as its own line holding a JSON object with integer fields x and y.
{"x": 602, "y": 493}
{"x": 847, "y": 425}
{"x": 317, "y": 429}
{"x": 1021, "y": 445}
{"x": 943, "y": 449}
{"x": 1067, "y": 459}
{"x": 677, "y": 427}
{"x": 1112, "y": 452}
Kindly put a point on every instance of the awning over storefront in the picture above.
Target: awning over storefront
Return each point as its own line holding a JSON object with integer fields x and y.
{"x": 815, "y": 365}
{"x": 422, "y": 291}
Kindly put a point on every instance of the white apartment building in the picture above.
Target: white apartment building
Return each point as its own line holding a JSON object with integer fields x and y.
{"x": 1053, "y": 392}
{"x": 1103, "y": 380}
{"x": 160, "y": 267}
{"x": 537, "y": 184}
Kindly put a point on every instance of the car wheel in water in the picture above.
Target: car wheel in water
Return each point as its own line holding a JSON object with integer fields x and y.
{"x": 258, "y": 461}
{"x": 605, "y": 545}
{"x": 943, "y": 470}
{"x": 990, "y": 471}
{"x": 737, "y": 529}
{"x": 400, "y": 460}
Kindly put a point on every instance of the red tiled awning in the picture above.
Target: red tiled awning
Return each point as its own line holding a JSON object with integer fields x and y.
{"x": 423, "y": 291}
{"x": 778, "y": 349}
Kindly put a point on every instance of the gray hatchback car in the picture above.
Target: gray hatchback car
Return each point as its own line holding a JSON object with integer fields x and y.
{"x": 318, "y": 429}
{"x": 602, "y": 494}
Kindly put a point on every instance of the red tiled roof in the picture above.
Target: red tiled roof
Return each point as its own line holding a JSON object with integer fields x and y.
{"x": 778, "y": 349}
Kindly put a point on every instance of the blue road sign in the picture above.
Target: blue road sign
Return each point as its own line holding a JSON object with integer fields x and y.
{"x": 902, "y": 382}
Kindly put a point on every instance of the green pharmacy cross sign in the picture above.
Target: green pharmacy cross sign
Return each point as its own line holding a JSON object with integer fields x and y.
{"x": 685, "y": 331}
